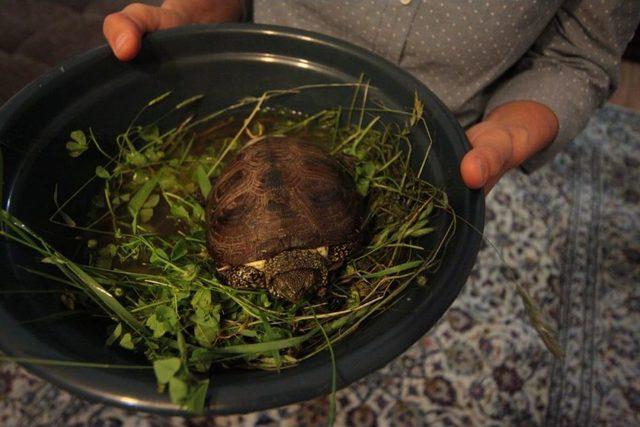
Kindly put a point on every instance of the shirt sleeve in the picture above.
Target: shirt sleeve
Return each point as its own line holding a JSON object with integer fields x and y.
{"x": 573, "y": 67}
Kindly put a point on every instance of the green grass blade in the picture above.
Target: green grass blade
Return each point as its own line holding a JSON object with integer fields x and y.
{"x": 29, "y": 238}
{"x": 189, "y": 101}
{"x": 393, "y": 270}
{"x": 334, "y": 372}
{"x": 105, "y": 297}
{"x": 141, "y": 196}
{"x": 264, "y": 347}
{"x": 70, "y": 363}
{"x": 158, "y": 99}
{"x": 203, "y": 181}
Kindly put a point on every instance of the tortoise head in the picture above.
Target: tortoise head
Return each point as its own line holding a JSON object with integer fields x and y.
{"x": 295, "y": 273}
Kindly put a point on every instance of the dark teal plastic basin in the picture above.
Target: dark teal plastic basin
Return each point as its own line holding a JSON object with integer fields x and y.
{"x": 227, "y": 62}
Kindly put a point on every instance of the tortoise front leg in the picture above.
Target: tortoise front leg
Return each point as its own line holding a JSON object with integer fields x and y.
{"x": 243, "y": 276}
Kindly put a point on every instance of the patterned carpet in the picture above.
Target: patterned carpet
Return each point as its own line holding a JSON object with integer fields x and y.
{"x": 570, "y": 233}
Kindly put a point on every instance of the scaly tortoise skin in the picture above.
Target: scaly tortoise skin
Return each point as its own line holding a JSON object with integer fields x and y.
{"x": 282, "y": 215}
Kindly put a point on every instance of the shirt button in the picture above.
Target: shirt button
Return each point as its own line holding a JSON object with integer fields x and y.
{"x": 405, "y": 2}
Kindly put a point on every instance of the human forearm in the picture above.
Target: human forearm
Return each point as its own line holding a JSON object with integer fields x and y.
{"x": 572, "y": 68}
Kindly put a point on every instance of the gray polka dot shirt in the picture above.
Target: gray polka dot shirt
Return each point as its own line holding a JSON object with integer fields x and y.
{"x": 476, "y": 55}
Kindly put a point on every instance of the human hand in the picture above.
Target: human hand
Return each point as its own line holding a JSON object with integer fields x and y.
{"x": 124, "y": 30}
{"x": 511, "y": 134}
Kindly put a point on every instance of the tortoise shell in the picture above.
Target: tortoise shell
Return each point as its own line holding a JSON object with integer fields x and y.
{"x": 280, "y": 194}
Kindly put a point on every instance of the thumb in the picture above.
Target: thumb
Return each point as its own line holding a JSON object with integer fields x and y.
{"x": 124, "y": 30}
{"x": 489, "y": 158}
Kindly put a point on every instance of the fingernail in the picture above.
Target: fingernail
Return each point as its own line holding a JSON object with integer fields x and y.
{"x": 482, "y": 168}
{"x": 120, "y": 42}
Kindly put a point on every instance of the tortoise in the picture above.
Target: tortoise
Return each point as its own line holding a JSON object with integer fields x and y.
{"x": 282, "y": 215}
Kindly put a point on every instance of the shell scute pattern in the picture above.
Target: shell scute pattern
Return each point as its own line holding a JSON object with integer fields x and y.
{"x": 280, "y": 194}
